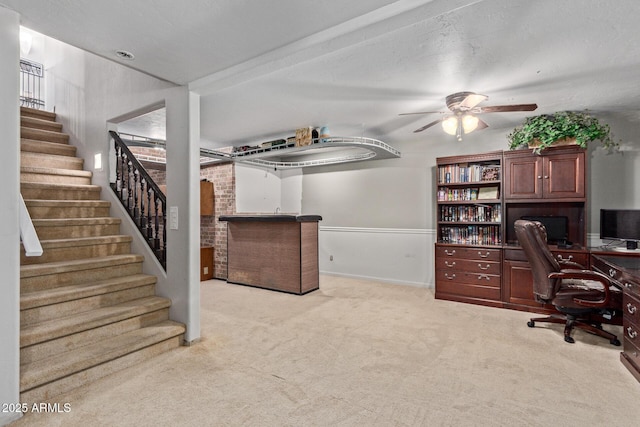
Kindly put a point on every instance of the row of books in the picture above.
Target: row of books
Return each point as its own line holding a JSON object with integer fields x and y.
{"x": 468, "y": 173}
{"x": 467, "y": 194}
{"x": 471, "y": 235}
{"x": 488, "y": 213}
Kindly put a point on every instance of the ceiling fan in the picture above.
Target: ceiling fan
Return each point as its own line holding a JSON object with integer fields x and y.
{"x": 464, "y": 107}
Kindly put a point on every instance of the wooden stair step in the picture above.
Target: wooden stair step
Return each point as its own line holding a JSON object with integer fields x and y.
{"x": 40, "y": 114}
{"x": 48, "y": 160}
{"x": 45, "y": 371}
{"x": 78, "y": 248}
{"x": 116, "y": 291}
{"x": 35, "y": 146}
{"x": 36, "y": 277}
{"x": 44, "y": 135}
{"x": 54, "y": 175}
{"x": 58, "y": 191}
{"x": 44, "y": 331}
{"x": 59, "y": 209}
{"x": 66, "y": 228}
{"x": 38, "y": 123}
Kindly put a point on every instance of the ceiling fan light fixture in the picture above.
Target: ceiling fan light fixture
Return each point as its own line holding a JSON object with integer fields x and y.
{"x": 469, "y": 123}
{"x": 450, "y": 125}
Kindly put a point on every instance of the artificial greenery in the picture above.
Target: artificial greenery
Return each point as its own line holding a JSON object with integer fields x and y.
{"x": 549, "y": 128}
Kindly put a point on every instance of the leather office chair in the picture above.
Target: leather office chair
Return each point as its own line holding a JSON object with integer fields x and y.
{"x": 579, "y": 295}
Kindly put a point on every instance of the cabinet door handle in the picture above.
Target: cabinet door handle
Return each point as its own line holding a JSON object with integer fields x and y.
{"x": 569, "y": 258}
{"x": 486, "y": 255}
{"x": 453, "y": 264}
{"x": 632, "y": 334}
{"x": 483, "y": 276}
{"x": 453, "y": 276}
{"x": 539, "y": 176}
{"x": 631, "y": 308}
{"x": 546, "y": 177}
{"x": 450, "y": 253}
{"x": 485, "y": 268}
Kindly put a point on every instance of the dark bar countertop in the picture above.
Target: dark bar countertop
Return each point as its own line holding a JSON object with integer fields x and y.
{"x": 270, "y": 218}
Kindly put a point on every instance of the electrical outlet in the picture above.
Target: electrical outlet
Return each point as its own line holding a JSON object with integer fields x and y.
{"x": 206, "y": 270}
{"x": 330, "y": 257}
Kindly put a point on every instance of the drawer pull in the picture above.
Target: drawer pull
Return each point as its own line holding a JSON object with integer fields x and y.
{"x": 569, "y": 258}
{"x": 453, "y": 276}
{"x": 612, "y": 272}
{"x": 486, "y": 255}
{"x": 453, "y": 264}
{"x": 450, "y": 253}
{"x": 483, "y": 276}
{"x": 628, "y": 285}
{"x": 485, "y": 268}
{"x": 631, "y": 308}
{"x": 632, "y": 334}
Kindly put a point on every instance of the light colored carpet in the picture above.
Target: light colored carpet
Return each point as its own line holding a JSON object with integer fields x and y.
{"x": 360, "y": 353}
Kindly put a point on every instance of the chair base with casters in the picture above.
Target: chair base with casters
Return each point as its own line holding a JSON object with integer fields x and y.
{"x": 571, "y": 321}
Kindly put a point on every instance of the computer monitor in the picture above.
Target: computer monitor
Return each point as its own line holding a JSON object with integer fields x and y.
{"x": 557, "y": 227}
{"x": 621, "y": 224}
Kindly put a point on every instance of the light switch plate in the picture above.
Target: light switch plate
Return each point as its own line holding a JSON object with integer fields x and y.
{"x": 173, "y": 217}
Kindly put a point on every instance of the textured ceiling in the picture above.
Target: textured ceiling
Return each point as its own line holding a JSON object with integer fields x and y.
{"x": 266, "y": 68}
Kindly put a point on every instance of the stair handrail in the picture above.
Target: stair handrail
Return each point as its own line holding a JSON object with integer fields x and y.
{"x": 28, "y": 235}
{"x": 152, "y": 228}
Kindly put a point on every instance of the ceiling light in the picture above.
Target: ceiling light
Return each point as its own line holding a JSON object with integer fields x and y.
{"x": 457, "y": 126}
{"x": 123, "y": 54}
{"x": 450, "y": 125}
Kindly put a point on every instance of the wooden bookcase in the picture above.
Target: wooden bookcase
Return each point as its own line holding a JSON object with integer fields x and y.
{"x": 468, "y": 255}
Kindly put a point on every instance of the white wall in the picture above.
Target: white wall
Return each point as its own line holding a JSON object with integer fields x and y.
{"x": 87, "y": 92}
{"x": 261, "y": 190}
{"x": 9, "y": 226}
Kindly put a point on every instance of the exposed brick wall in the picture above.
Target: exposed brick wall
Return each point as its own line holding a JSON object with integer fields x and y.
{"x": 212, "y": 232}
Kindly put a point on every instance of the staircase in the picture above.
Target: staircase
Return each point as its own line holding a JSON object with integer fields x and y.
{"x": 86, "y": 309}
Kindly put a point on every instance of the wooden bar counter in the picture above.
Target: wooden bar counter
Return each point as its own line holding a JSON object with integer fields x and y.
{"x": 278, "y": 252}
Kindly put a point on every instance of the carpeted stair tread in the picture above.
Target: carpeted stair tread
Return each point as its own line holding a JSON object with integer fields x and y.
{"x": 57, "y": 191}
{"x": 77, "y": 265}
{"x": 36, "y": 146}
{"x": 49, "y": 160}
{"x": 45, "y": 331}
{"x": 47, "y": 370}
{"x": 37, "y": 123}
{"x": 40, "y": 114}
{"x": 61, "y": 209}
{"x": 44, "y": 135}
{"x": 55, "y": 171}
{"x": 50, "y": 222}
{"x": 85, "y": 241}
{"x": 68, "y": 293}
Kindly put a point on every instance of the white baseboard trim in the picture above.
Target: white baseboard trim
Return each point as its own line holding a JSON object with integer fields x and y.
{"x": 379, "y": 279}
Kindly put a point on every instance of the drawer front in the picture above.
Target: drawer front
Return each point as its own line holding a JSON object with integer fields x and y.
{"x": 468, "y": 253}
{"x": 631, "y": 287}
{"x": 632, "y": 343}
{"x": 457, "y": 284}
{"x": 480, "y": 279}
{"x": 581, "y": 258}
{"x": 631, "y": 308}
{"x": 466, "y": 265}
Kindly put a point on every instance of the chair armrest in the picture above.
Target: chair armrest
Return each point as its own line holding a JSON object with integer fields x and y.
{"x": 587, "y": 275}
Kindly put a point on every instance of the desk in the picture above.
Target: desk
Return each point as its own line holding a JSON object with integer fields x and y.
{"x": 624, "y": 270}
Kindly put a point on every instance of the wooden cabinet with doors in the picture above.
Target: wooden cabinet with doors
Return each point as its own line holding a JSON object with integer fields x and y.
{"x": 557, "y": 173}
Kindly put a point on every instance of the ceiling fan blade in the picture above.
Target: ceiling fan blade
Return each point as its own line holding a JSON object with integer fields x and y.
{"x": 435, "y": 122}
{"x": 505, "y": 108}
{"x": 482, "y": 125}
{"x": 472, "y": 100}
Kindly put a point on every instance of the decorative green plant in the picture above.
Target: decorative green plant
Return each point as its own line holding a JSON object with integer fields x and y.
{"x": 544, "y": 130}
